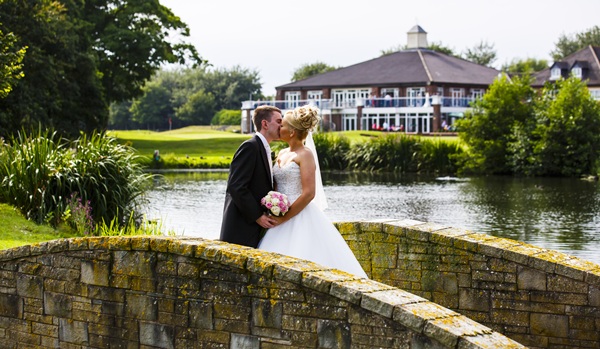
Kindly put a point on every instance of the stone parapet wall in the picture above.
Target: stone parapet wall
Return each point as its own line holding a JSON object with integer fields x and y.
{"x": 160, "y": 292}
{"x": 538, "y": 297}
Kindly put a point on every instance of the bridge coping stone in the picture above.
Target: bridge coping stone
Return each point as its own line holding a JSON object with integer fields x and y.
{"x": 414, "y": 312}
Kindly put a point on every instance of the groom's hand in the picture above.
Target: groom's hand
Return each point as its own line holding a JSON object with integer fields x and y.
{"x": 266, "y": 221}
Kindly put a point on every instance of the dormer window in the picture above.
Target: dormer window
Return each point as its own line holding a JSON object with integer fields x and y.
{"x": 555, "y": 73}
{"x": 577, "y": 72}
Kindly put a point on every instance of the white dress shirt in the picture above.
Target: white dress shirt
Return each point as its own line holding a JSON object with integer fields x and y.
{"x": 268, "y": 151}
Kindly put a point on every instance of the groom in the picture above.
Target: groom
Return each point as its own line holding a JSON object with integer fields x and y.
{"x": 250, "y": 179}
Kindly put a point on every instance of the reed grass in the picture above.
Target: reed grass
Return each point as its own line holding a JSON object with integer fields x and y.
{"x": 41, "y": 173}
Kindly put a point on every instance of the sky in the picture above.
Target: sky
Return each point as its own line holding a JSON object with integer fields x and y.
{"x": 276, "y": 37}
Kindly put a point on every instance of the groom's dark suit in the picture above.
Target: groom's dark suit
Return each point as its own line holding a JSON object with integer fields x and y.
{"x": 249, "y": 181}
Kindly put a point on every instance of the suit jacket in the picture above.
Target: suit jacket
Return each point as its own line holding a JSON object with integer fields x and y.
{"x": 249, "y": 181}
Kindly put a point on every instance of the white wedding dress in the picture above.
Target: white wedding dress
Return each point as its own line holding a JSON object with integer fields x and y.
{"x": 310, "y": 234}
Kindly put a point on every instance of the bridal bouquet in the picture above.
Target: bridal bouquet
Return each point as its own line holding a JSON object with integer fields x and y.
{"x": 276, "y": 203}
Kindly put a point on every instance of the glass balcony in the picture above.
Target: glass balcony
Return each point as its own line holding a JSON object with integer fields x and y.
{"x": 398, "y": 102}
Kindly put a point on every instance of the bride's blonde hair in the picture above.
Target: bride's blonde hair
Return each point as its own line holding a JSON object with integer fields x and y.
{"x": 303, "y": 119}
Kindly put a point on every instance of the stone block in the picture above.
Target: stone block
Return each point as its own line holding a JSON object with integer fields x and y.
{"x": 333, "y": 334}
{"x": 57, "y": 304}
{"x": 550, "y": 325}
{"x": 157, "y": 335}
{"x": 448, "y": 330}
{"x": 267, "y": 313}
{"x": 141, "y": 307}
{"x": 558, "y": 283}
{"x": 474, "y": 299}
{"x": 10, "y": 305}
{"x": 30, "y": 286}
{"x": 95, "y": 272}
{"x": 240, "y": 341}
{"x": 134, "y": 263}
{"x": 74, "y": 332}
{"x": 594, "y": 296}
{"x": 531, "y": 279}
{"x": 201, "y": 315}
{"x": 415, "y": 315}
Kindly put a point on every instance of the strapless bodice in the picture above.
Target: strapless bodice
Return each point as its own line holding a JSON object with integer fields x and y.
{"x": 288, "y": 180}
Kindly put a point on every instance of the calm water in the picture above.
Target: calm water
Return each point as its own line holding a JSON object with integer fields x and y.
{"x": 555, "y": 213}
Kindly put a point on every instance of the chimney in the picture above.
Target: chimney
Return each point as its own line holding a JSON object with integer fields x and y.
{"x": 416, "y": 38}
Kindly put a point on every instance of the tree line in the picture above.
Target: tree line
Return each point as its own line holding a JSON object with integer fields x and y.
{"x": 180, "y": 97}
{"x": 74, "y": 66}
{"x": 78, "y": 57}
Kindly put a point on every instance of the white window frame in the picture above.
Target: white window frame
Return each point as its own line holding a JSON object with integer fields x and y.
{"x": 347, "y": 98}
{"x": 457, "y": 94}
{"x": 291, "y": 99}
{"x": 415, "y": 96}
{"x": 577, "y": 72}
{"x": 315, "y": 97}
{"x": 477, "y": 93}
{"x": 595, "y": 94}
{"x": 555, "y": 73}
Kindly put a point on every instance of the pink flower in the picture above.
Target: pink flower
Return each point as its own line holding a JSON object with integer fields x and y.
{"x": 276, "y": 203}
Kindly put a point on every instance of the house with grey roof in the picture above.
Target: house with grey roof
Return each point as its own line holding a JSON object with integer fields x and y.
{"x": 584, "y": 64}
{"x": 415, "y": 90}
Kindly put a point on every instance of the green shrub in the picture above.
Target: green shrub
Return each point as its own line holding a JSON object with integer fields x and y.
{"x": 389, "y": 153}
{"x": 227, "y": 117}
{"x": 42, "y": 174}
{"x": 438, "y": 156}
{"x": 332, "y": 150}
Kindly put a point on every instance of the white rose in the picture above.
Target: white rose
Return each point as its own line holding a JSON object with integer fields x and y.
{"x": 275, "y": 210}
{"x": 275, "y": 201}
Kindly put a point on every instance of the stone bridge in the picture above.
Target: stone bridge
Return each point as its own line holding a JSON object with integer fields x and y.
{"x": 431, "y": 287}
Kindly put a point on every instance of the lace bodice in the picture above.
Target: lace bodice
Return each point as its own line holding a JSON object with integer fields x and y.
{"x": 288, "y": 180}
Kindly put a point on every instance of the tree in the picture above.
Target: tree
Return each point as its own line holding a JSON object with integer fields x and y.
{"x": 198, "y": 109}
{"x": 120, "y": 116}
{"x": 227, "y": 117}
{"x": 131, "y": 42}
{"x": 10, "y": 62}
{"x": 524, "y": 66}
{"x": 60, "y": 88}
{"x": 568, "y": 44}
{"x": 439, "y": 47}
{"x": 482, "y": 53}
{"x": 567, "y": 130}
{"x": 308, "y": 70}
{"x": 154, "y": 108}
{"x": 83, "y": 55}
{"x": 434, "y": 46}
{"x": 230, "y": 86}
{"x": 488, "y": 129}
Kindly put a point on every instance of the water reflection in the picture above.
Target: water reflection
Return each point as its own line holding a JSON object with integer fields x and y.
{"x": 555, "y": 213}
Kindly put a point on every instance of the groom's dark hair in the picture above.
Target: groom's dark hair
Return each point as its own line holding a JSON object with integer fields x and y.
{"x": 264, "y": 112}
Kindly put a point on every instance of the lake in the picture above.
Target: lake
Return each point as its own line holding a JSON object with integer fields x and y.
{"x": 555, "y": 213}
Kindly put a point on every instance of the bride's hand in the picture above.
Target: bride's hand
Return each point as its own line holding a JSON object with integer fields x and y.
{"x": 278, "y": 220}
{"x": 266, "y": 221}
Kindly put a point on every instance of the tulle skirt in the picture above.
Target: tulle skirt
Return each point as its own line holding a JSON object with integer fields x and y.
{"x": 310, "y": 235}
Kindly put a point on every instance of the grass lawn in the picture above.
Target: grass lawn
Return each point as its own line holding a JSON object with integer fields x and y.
{"x": 194, "y": 146}
{"x": 15, "y": 230}
{"x": 208, "y": 147}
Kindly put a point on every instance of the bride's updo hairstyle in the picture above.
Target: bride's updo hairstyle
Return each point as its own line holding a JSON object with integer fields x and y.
{"x": 303, "y": 119}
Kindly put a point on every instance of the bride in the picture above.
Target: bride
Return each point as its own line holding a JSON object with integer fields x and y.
{"x": 304, "y": 231}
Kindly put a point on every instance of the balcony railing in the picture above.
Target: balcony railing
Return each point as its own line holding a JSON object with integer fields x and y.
{"x": 399, "y": 102}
